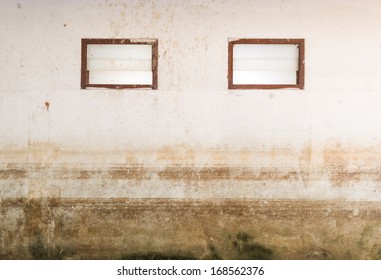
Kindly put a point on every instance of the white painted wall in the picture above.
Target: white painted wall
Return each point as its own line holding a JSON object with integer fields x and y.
{"x": 40, "y": 61}
{"x": 40, "y": 58}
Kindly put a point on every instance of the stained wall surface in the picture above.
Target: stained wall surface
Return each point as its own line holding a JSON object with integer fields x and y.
{"x": 192, "y": 139}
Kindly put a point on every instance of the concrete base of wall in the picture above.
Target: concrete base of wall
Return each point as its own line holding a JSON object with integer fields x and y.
{"x": 177, "y": 203}
{"x": 188, "y": 229}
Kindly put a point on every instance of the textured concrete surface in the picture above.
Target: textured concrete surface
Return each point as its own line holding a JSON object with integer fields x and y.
{"x": 185, "y": 229}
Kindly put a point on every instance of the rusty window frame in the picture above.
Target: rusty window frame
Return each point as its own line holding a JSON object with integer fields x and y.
{"x": 85, "y": 73}
{"x": 300, "y": 73}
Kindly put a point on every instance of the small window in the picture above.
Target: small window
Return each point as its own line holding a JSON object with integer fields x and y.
{"x": 119, "y": 63}
{"x": 266, "y": 63}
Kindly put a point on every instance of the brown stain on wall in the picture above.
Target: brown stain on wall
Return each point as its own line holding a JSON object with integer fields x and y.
{"x": 176, "y": 173}
{"x": 63, "y": 228}
{"x": 342, "y": 165}
{"x": 175, "y": 155}
{"x": 338, "y": 176}
{"x": 128, "y": 173}
{"x": 203, "y": 229}
{"x": 305, "y": 163}
{"x": 346, "y": 165}
{"x": 13, "y": 173}
{"x": 225, "y": 173}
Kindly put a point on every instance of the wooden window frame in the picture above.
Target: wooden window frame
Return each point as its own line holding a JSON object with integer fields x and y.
{"x": 85, "y": 73}
{"x": 300, "y": 72}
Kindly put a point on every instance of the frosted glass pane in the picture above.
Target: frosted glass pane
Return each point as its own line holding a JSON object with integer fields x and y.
{"x": 264, "y": 77}
{"x": 119, "y": 51}
{"x": 247, "y": 64}
{"x": 119, "y": 65}
{"x": 288, "y": 51}
{"x": 121, "y": 77}
{"x": 265, "y": 64}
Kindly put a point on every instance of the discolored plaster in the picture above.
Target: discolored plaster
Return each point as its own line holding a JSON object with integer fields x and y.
{"x": 165, "y": 228}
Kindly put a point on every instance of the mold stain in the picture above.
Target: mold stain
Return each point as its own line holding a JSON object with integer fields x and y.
{"x": 85, "y": 228}
{"x": 246, "y": 248}
{"x": 38, "y": 248}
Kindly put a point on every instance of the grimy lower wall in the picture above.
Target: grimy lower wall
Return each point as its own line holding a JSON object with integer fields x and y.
{"x": 191, "y": 170}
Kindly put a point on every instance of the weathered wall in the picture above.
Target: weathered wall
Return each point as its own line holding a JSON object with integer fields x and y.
{"x": 171, "y": 229}
{"x": 192, "y": 138}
